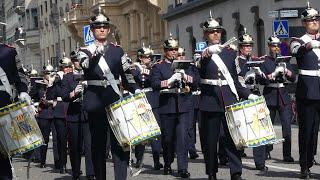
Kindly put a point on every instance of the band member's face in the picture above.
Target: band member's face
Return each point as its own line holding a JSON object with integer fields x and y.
{"x": 274, "y": 49}
{"x": 145, "y": 59}
{"x": 171, "y": 54}
{"x": 246, "y": 50}
{"x": 101, "y": 32}
{"x": 312, "y": 25}
{"x": 214, "y": 37}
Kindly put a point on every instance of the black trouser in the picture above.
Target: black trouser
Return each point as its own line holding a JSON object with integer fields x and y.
{"x": 174, "y": 133}
{"x": 79, "y": 134}
{"x": 210, "y": 127}
{"x": 60, "y": 127}
{"x": 155, "y": 144}
{"x": 285, "y": 113}
{"x": 5, "y": 168}
{"x": 308, "y": 112}
{"x": 98, "y": 127}
{"x": 192, "y": 132}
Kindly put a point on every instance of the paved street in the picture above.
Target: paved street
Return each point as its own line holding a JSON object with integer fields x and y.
{"x": 277, "y": 169}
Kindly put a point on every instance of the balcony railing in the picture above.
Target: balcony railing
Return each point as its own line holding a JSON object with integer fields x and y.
{"x": 78, "y": 13}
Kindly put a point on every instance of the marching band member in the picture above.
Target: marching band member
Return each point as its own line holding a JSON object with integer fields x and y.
{"x": 78, "y": 127}
{"x": 141, "y": 74}
{"x": 250, "y": 77}
{"x": 219, "y": 88}
{"x": 48, "y": 102}
{"x": 194, "y": 117}
{"x": 103, "y": 63}
{"x": 11, "y": 77}
{"x": 307, "y": 52}
{"x": 278, "y": 70}
{"x": 175, "y": 106}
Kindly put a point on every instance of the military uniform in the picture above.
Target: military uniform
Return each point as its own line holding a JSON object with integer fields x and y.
{"x": 142, "y": 78}
{"x": 175, "y": 110}
{"x": 99, "y": 95}
{"x": 259, "y": 153}
{"x": 306, "y": 51}
{"x": 14, "y": 73}
{"x": 278, "y": 100}
{"x": 216, "y": 93}
{"x": 77, "y": 124}
{"x": 48, "y": 102}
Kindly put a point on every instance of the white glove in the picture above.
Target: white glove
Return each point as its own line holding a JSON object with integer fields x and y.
{"x": 137, "y": 91}
{"x": 249, "y": 74}
{"x": 253, "y": 97}
{"x": 175, "y": 77}
{"x": 215, "y": 49}
{"x": 83, "y": 59}
{"x": 78, "y": 89}
{"x": 196, "y": 57}
{"x": 278, "y": 70}
{"x": 314, "y": 44}
{"x": 25, "y": 97}
{"x": 100, "y": 49}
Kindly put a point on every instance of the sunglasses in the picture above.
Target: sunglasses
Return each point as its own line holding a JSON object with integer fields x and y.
{"x": 172, "y": 49}
{"x": 313, "y": 20}
{"x": 147, "y": 57}
{"x": 101, "y": 26}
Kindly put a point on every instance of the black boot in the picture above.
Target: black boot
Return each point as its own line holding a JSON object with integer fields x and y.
{"x": 212, "y": 177}
{"x": 167, "y": 170}
{"x": 63, "y": 169}
{"x": 156, "y": 161}
{"x": 305, "y": 174}
{"x": 184, "y": 173}
{"x": 139, "y": 163}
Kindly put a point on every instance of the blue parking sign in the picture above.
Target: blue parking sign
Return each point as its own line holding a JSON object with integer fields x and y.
{"x": 200, "y": 46}
{"x": 87, "y": 35}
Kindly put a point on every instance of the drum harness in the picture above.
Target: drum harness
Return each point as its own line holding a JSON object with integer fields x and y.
{"x": 10, "y": 89}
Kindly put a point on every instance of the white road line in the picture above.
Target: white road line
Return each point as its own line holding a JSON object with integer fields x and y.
{"x": 272, "y": 166}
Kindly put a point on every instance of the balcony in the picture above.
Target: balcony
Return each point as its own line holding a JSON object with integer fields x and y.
{"x": 32, "y": 38}
{"x": 77, "y": 17}
{"x": 19, "y": 7}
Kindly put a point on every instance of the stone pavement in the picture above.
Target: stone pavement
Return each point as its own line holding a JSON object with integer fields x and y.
{"x": 277, "y": 169}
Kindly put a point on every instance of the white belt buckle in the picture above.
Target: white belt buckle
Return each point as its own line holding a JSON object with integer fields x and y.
{"x": 219, "y": 82}
{"x": 104, "y": 83}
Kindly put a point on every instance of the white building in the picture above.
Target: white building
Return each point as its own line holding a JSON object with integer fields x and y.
{"x": 185, "y": 18}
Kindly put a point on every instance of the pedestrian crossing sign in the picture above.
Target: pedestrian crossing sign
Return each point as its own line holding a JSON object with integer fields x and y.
{"x": 87, "y": 35}
{"x": 281, "y": 28}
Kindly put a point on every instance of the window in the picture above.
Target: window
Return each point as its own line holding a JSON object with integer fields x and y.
{"x": 46, "y": 6}
{"x": 41, "y": 10}
{"x": 178, "y": 2}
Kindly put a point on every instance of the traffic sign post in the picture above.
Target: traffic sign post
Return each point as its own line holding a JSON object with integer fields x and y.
{"x": 87, "y": 35}
{"x": 281, "y": 28}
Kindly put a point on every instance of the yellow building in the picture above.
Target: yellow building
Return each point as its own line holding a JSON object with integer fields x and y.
{"x": 134, "y": 22}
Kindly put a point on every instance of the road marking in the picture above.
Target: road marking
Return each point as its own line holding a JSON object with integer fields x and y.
{"x": 274, "y": 167}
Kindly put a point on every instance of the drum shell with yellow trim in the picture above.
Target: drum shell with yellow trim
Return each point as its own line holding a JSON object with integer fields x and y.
{"x": 19, "y": 131}
{"x": 132, "y": 120}
{"x": 249, "y": 123}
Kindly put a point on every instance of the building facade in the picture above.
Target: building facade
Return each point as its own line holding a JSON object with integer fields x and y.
{"x": 22, "y": 16}
{"x": 133, "y": 22}
{"x": 185, "y": 18}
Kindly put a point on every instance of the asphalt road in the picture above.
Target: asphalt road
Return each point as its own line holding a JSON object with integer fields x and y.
{"x": 277, "y": 169}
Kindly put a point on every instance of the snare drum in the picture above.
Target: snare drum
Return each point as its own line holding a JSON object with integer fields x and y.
{"x": 19, "y": 131}
{"x": 132, "y": 120}
{"x": 250, "y": 124}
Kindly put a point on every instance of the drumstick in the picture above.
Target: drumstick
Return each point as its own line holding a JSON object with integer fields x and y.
{"x": 230, "y": 41}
